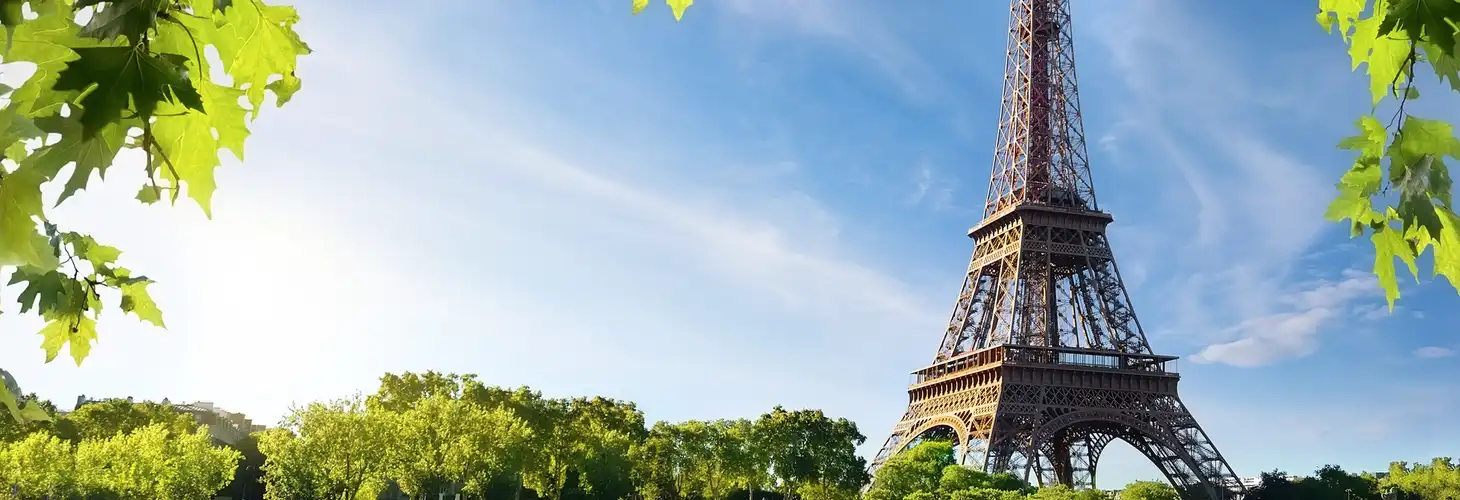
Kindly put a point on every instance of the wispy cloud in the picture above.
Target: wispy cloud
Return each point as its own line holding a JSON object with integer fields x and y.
{"x": 853, "y": 28}
{"x": 1293, "y": 330}
{"x": 930, "y": 188}
{"x": 1238, "y": 210}
{"x": 1433, "y": 352}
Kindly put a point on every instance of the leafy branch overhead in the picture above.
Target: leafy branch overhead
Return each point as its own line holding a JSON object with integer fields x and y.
{"x": 1398, "y": 190}
{"x": 133, "y": 75}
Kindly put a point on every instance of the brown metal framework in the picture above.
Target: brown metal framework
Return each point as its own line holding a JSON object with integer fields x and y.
{"x": 1044, "y": 363}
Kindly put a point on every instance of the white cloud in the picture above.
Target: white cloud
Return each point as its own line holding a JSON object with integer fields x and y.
{"x": 1236, "y": 211}
{"x": 931, "y": 188}
{"x": 1292, "y": 330}
{"x": 1433, "y": 352}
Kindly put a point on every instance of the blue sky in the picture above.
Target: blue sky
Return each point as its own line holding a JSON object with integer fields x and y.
{"x": 764, "y": 204}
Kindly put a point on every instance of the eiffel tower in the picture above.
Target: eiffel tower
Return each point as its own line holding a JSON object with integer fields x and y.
{"x": 1044, "y": 363}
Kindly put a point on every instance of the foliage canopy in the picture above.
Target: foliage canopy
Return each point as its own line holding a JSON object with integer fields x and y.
{"x": 1398, "y": 190}
{"x": 176, "y": 80}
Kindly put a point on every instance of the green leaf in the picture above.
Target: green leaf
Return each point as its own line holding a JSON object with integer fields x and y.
{"x": 47, "y": 42}
{"x": 1447, "y": 67}
{"x": 136, "y": 300}
{"x": 16, "y": 127}
{"x": 1385, "y": 56}
{"x": 1447, "y": 247}
{"x": 76, "y": 329}
{"x": 188, "y": 154}
{"x": 93, "y": 154}
{"x": 7, "y": 399}
{"x": 639, "y": 6}
{"x": 33, "y": 412}
{"x": 20, "y": 207}
{"x": 256, "y": 43}
{"x": 1411, "y": 93}
{"x": 285, "y": 87}
{"x": 1419, "y": 137}
{"x": 149, "y": 194}
{"x": 122, "y": 76}
{"x": 1344, "y": 11}
{"x": 678, "y": 7}
{"x": 1428, "y": 20}
{"x": 1370, "y": 141}
{"x": 1417, "y": 168}
{"x": 121, "y": 18}
{"x": 227, "y": 118}
{"x": 45, "y": 289}
{"x": 1389, "y": 243}
{"x": 86, "y": 248}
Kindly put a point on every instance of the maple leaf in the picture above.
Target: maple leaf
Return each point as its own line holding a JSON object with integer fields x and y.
{"x": 20, "y": 410}
{"x": 136, "y": 300}
{"x": 122, "y": 76}
{"x": 1386, "y": 57}
{"x": 228, "y": 120}
{"x": 1344, "y": 11}
{"x": 20, "y": 205}
{"x": 187, "y": 153}
{"x": 1389, "y": 244}
{"x": 47, "y": 42}
{"x": 284, "y": 88}
{"x": 44, "y": 289}
{"x": 1447, "y": 251}
{"x": 678, "y": 7}
{"x": 16, "y": 127}
{"x": 1428, "y": 20}
{"x": 84, "y": 247}
{"x": 121, "y": 18}
{"x": 1447, "y": 67}
{"x": 90, "y": 154}
{"x": 73, "y": 328}
{"x": 256, "y": 43}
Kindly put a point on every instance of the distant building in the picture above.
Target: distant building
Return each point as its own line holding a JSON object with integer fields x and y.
{"x": 225, "y": 426}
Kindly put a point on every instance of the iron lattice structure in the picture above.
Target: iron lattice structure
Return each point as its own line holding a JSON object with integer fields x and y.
{"x": 1044, "y": 363}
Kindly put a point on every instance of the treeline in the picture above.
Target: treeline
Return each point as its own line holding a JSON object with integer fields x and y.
{"x": 421, "y": 435}
{"x": 113, "y": 450}
{"x": 1438, "y": 480}
{"x": 430, "y": 434}
{"x": 928, "y": 472}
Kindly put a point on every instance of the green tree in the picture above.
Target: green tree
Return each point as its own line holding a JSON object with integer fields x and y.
{"x": 133, "y": 77}
{"x": 917, "y": 469}
{"x": 38, "y": 466}
{"x": 1439, "y": 479}
{"x": 104, "y": 419}
{"x": 495, "y": 448}
{"x": 746, "y": 457}
{"x": 1149, "y": 490}
{"x": 399, "y": 393}
{"x": 290, "y": 470}
{"x": 153, "y": 462}
{"x": 807, "y": 446}
{"x": 1062, "y": 492}
{"x": 985, "y": 494}
{"x": 1398, "y": 190}
{"x": 345, "y": 442}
